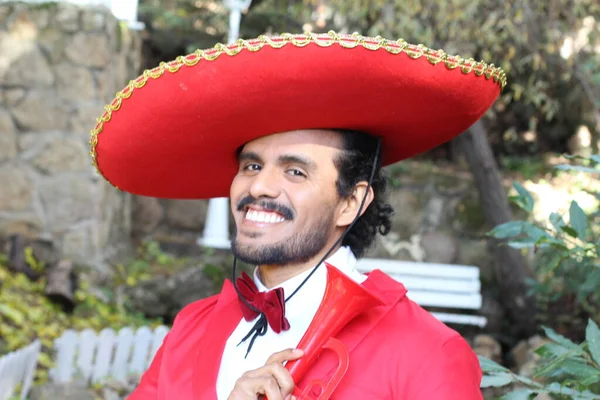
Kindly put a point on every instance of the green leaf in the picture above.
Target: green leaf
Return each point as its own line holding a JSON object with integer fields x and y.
{"x": 595, "y": 158}
{"x": 550, "y": 350}
{"x": 577, "y": 168}
{"x": 524, "y": 243}
{"x": 488, "y": 365}
{"x": 557, "y": 220}
{"x": 578, "y": 220}
{"x": 524, "y": 199}
{"x": 579, "y": 370}
{"x": 496, "y": 380}
{"x": 563, "y": 341}
{"x": 569, "y": 231}
{"x": 592, "y": 336}
{"x": 520, "y": 394}
{"x": 13, "y": 314}
{"x": 507, "y": 230}
{"x": 591, "y": 380}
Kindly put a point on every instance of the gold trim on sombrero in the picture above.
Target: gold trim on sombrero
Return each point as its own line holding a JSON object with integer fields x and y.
{"x": 324, "y": 40}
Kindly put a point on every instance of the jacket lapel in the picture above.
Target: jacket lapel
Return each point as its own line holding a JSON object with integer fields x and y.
{"x": 225, "y": 317}
{"x": 390, "y": 292}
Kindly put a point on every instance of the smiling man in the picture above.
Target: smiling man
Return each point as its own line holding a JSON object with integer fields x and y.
{"x": 296, "y": 129}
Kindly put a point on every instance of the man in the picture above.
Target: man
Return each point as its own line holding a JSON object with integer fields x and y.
{"x": 295, "y": 129}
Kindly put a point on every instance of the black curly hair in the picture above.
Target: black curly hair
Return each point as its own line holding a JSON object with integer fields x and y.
{"x": 354, "y": 164}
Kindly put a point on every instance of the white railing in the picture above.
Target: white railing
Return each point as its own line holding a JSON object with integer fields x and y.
{"x": 94, "y": 357}
{"x": 125, "y": 10}
{"x": 18, "y": 368}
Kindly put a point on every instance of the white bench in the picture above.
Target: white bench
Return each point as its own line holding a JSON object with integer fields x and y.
{"x": 452, "y": 287}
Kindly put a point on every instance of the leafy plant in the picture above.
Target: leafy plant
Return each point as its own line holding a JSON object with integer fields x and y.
{"x": 567, "y": 271}
{"x": 27, "y": 314}
{"x": 566, "y": 253}
{"x": 567, "y": 370}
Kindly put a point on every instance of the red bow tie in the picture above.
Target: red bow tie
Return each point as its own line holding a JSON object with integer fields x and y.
{"x": 271, "y": 303}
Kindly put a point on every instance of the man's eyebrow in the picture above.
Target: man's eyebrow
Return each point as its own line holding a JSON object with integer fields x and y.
{"x": 249, "y": 156}
{"x": 299, "y": 160}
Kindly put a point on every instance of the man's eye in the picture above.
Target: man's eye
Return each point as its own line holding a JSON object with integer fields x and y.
{"x": 296, "y": 172}
{"x": 251, "y": 167}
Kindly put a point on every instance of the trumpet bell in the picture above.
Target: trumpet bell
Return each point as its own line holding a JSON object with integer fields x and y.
{"x": 343, "y": 301}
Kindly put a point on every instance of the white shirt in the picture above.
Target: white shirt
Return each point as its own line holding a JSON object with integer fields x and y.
{"x": 299, "y": 311}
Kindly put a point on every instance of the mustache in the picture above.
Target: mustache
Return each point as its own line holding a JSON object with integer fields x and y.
{"x": 267, "y": 205}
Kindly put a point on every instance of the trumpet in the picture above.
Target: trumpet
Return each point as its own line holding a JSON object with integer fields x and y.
{"x": 343, "y": 301}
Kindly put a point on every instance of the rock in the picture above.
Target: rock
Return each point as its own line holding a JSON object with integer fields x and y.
{"x": 440, "y": 247}
{"x": 110, "y": 394}
{"x": 12, "y": 97}
{"x": 40, "y": 16}
{"x": 166, "y": 296}
{"x": 67, "y": 17}
{"x": 53, "y": 42}
{"x": 186, "y": 214}
{"x": 67, "y": 199}
{"x": 74, "y": 83}
{"x": 30, "y": 70}
{"x": 17, "y": 37}
{"x": 435, "y": 212}
{"x": 524, "y": 356}
{"x": 120, "y": 389}
{"x": 393, "y": 246}
{"x": 147, "y": 214}
{"x": 28, "y": 225}
{"x": 520, "y": 353}
{"x": 40, "y": 111}
{"x": 17, "y": 190}
{"x": 76, "y": 245}
{"x": 8, "y": 136}
{"x": 90, "y": 50}
{"x": 66, "y": 391}
{"x": 83, "y": 119}
{"x": 408, "y": 212}
{"x": 93, "y": 20}
{"x": 476, "y": 252}
{"x": 62, "y": 155}
{"x": 487, "y": 346}
{"x": 31, "y": 144}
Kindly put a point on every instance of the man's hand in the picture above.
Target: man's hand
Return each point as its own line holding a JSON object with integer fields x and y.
{"x": 273, "y": 380}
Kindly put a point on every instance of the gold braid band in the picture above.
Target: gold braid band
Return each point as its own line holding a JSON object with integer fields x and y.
{"x": 324, "y": 40}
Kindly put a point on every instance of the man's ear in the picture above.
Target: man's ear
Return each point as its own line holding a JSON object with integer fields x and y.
{"x": 351, "y": 204}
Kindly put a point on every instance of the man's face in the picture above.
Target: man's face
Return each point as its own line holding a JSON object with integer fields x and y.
{"x": 284, "y": 197}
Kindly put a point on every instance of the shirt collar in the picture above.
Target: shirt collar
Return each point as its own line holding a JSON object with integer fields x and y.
{"x": 343, "y": 259}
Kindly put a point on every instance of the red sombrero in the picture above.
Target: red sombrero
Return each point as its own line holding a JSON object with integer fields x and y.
{"x": 173, "y": 131}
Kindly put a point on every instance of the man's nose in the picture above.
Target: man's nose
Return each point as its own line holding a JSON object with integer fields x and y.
{"x": 265, "y": 184}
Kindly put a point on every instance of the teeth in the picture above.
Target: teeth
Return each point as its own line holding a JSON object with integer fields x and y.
{"x": 267, "y": 217}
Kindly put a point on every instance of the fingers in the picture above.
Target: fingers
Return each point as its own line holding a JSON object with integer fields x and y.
{"x": 285, "y": 355}
{"x": 271, "y": 380}
{"x": 248, "y": 387}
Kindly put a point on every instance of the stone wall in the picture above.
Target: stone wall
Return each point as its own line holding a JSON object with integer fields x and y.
{"x": 59, "y": 65}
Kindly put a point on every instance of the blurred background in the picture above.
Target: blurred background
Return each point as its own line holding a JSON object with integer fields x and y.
{"x": 87, "y": 271}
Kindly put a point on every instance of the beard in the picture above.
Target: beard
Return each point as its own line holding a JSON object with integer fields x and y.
{"x": 300, "y": 248}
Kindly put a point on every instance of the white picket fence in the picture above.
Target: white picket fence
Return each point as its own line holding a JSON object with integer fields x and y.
{"x": 17, "y": 368}
{"x": 94, "y": 357}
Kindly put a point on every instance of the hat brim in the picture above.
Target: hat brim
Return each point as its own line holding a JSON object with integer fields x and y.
{"x": 174, "y": 131}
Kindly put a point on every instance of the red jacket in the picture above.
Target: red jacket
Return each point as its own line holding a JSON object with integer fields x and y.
{"x": 397, "y": 351}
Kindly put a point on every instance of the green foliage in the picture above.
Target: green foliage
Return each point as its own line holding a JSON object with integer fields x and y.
{"x": 567, "y": 370}
{"x": 27, "y": 314}
{"x": 566, "y": 253}
{"x": 568, "y": 272}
